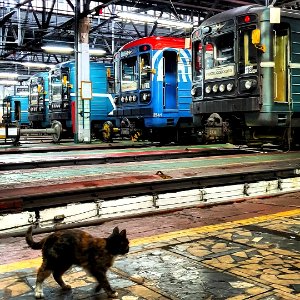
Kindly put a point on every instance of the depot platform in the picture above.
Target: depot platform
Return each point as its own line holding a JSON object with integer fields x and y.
{"x": 243, "y": 250}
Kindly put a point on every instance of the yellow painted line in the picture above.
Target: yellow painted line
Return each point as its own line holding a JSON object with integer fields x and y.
{"x": 36, "y": 262}
{"x": 20, "y": 265}
{"x": 211, "y": 228}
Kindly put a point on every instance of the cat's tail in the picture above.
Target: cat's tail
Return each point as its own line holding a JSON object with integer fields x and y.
{"x": 32, "y": 244}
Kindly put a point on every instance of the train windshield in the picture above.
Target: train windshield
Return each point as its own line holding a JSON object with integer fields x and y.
{"x": 219, "y": 50}
{"x": 33, "y": 98}
{"x": 56, "y": 88}
{"x": 197, "y": 59}
{"x": 145, "y": 69}
{"x": 129, "y": 75}
{"x": 247, "y": 52}
{"x": 219, "y": 56}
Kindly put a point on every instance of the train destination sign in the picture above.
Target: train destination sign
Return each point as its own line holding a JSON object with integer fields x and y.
{"x": 219, "y": 72}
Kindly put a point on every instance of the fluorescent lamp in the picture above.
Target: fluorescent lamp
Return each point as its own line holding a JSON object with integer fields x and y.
{"x": 58, "y": 49}
{"x": 136, "y": 17}
{"x": 153, "y": 19}
{"x": 9, "y": 82}
{"x": 174, "y": 23}
{"x": 9, "y": 75}
{"x": 97, "y": 51}
{"x": 30, "y": 64}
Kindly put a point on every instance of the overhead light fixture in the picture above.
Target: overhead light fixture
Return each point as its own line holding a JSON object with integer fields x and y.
{"x": 175, "y": 23}
{"x": 9, "y": 82}
{"x": 97, "y": 52}
{"x": 137, "y": 17}
{"x": 30, "y": 64}
{"x": 58, "y": 49}
{"x": 153, "y": 19}
{"x": 9, "y": 75}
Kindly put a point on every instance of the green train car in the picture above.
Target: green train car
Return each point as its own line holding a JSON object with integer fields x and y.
{"x": 246, "y": 76}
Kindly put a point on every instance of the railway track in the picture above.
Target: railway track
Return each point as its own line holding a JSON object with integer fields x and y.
{"x": 125, "y": 189}
{"x": 83, "y": 157}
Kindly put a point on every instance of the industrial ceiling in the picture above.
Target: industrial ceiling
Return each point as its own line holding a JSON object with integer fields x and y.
{"x": 26, "y": 26}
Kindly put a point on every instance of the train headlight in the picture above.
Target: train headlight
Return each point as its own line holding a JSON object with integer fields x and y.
{"x": 130, "y": 98}
{"x": 126, "y": 99}
{"x": 251, "y": 83}
{"x": 229, "y": 87}
{"x": 122, "y": 99}
{"x": 116, "y": 99}
{"x": 145, "y": 97}
{"x": 134, "y": 98}
{"x": 248, "y": 84}
{"x": 193, "y": 91}
{"x": 215, "y": 88}
{"x": 222, "y": 87}
{"x": 208, "y": 89}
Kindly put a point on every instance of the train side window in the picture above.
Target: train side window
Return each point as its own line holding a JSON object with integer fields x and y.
{"x": 281, "y": 58}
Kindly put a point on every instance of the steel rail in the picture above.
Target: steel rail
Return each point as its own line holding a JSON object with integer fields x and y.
{"x": 109, "y": 193}
{"x": 186, "y": 153}
{"x": 112, "y": 192}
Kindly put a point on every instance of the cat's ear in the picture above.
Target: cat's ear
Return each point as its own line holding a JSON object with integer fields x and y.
{"x": 116, "y": 230}
{"x": 123, "y": 233}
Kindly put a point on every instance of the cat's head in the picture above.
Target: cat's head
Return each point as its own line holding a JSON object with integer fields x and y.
{"x": 117, "y": 242}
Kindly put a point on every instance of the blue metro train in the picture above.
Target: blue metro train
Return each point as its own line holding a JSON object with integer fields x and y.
{"x": 17, "y": 106}
{"x": 152, "y": 90}
{"x": 62, "y": 96}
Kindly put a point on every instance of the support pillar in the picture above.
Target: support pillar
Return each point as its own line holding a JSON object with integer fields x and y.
{"x": 83, "y": 111}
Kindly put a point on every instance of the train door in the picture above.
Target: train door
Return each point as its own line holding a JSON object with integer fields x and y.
{"x": 17, "y": 111}
{"x": 170, "y": 70}
{"x": 281, "y": 58}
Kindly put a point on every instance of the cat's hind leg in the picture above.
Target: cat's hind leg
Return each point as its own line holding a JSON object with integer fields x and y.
{"x": 57, "y": 274}
{"x": 42, "y": 274}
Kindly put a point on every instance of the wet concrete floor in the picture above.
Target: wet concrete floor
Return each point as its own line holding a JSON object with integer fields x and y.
{"x": 246, "y": 250}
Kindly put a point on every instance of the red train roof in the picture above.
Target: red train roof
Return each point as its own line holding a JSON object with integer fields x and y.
{"x": 157, "y": 42}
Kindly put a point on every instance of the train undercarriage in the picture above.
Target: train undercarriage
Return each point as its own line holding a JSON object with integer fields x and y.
{"x": 218, "y": 128}
{"x": 136, "y": 130}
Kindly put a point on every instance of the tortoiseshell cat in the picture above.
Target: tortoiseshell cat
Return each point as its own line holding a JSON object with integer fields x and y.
{"x": 64, "y": 248}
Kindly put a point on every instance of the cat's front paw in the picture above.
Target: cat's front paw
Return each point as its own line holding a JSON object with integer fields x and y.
{"x": 39, "y": 294}
{"x": 113, "y": 294}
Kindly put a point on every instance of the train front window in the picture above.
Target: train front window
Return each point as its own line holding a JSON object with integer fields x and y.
{"x": 145, "y": 69}
{"x": 56, "y": 87}
{"x": 219, "y": 50}
{"x": 247, "y": 52}
{"x": 33, "y": 98}
{"x": 197, "y": 58}
{"x": 56, "y": 92}
{"x": 129, "y": 74}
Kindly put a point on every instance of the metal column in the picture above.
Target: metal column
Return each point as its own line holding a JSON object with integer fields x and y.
{"x": 82, "y": 124}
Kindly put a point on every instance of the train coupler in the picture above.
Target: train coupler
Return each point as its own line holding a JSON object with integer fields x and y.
{"x": 216, "y": 129}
